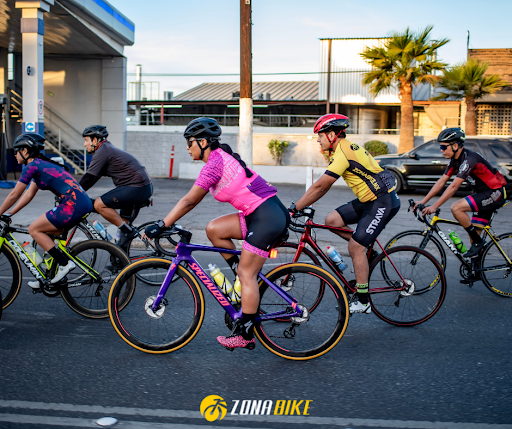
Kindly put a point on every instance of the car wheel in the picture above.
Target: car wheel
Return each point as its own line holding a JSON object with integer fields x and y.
{"x": 399, "y": 182}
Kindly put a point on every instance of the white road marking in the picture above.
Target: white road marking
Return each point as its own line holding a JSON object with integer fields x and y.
{"x": 187, "y": 414}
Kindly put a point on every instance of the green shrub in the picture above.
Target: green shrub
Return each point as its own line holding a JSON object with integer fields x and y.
{"x": 376, "y": 147}
{"x": 277, "y": 149}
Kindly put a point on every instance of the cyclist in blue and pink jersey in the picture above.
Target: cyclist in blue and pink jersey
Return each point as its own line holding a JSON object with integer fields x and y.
{"x": 488, "y": 182}
{"x": 40, "y": 172}
{"x": 262, "y": 219}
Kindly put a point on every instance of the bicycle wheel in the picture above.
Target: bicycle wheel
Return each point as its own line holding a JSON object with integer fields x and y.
{"x": 10, "y": 275}
{"x": 313, "y": 334}
{"x": 177, "y": 319}
{"x": 417, "y": 238}
{"x": 86, "y": 295}
{"x": 496, "y": 269}
{"x": 140, "y": 249}
{"x": 285, "y": 255}
{"x": 412, "y": 289}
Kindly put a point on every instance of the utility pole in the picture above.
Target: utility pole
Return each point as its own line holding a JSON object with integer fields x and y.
{"x": 328, "y": 104}
{"x": 245, "y": 136}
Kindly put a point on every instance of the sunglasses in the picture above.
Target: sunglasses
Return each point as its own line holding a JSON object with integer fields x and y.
{"x": 189, "y": 142}
{"x": 443, "y": 148}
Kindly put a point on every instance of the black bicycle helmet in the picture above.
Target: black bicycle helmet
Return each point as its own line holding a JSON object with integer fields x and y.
{"x": 98, "y": 131}
{"x": 202, "y": 128}
{"x": 32, "y": 141}
{"x": 452, "y": 135}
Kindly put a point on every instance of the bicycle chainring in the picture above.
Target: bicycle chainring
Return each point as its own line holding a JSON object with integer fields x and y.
{"x": 464, "y": 271}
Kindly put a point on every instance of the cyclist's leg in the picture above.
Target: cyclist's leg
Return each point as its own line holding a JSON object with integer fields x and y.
{"x": 265, "y": 226}
{"x": 343, "y": 216}
{"x": 383, "y": 209}
{"x": 482, "y": 204}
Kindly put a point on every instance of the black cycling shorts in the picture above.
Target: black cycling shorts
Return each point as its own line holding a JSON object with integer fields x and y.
{"x": 371, "y": 217}
{"x": 126, "y": 197}
{"x": 485, "y": 203}
{"x": 265, "y": 226}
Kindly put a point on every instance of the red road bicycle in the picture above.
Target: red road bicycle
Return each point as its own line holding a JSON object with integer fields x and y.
{"x": 407, "y": 286}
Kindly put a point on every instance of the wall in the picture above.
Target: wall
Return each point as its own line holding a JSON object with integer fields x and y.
{"x": 83, "y": 92}
{"x": 153, "y": 147}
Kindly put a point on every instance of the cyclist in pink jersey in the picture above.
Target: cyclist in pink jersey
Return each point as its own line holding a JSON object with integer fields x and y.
{"x": 262, "y": 220}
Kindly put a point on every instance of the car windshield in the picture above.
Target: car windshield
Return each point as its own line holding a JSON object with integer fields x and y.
{"x": 429, "y": 150}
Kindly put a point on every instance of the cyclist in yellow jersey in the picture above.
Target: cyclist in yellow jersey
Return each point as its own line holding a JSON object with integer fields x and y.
{"x": 376, "y": 203}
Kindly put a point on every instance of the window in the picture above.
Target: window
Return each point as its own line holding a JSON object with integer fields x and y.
{"x": 430, "y": 150}
{"x": 501, "y": 150}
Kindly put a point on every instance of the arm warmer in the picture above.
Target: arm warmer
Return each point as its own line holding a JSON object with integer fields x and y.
{"x": 88, "y": 181}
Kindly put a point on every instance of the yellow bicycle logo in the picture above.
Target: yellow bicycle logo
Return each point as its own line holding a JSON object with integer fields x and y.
{"x": 213, "y": 407}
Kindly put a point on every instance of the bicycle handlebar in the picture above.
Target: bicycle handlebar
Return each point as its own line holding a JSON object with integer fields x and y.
{"x": 417, "y": 209}
{"x": 297, "y": 226}
{"x": 184, "y": 234}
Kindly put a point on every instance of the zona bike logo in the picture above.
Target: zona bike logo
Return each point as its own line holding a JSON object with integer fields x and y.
{"x": 213, "y": 407}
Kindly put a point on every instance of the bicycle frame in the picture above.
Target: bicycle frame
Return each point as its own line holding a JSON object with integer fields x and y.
{"x": 432, "y": 226}
{"x": 307, "y": 239}
{"x": 184, "y": 254}
{"x": 7, "y": 237}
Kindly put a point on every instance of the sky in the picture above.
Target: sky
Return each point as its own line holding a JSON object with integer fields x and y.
{"x": 203, "y": 36}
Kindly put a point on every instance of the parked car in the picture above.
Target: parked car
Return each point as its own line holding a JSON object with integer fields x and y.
{"x": 422, "y": 166}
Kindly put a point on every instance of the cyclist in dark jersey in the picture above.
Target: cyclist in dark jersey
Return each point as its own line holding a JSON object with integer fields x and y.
{"x": 42, "y": 173}
{"x": 376, "y": 203}
{"x": 131, "y": 179}
{"x": 467, "y": 165}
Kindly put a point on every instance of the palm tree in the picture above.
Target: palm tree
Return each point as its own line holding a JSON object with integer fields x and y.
{"x": 404, "y": 60}
{"x": 467, "y": 80}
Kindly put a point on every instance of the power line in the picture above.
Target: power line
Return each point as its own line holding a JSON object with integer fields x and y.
{"x": 238, "y": 74}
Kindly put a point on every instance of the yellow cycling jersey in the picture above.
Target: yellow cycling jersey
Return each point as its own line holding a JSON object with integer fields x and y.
{"x": 360, "y": 171}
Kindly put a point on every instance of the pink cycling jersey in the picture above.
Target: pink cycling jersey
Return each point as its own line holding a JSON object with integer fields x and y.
{"x": 226, "y": 180}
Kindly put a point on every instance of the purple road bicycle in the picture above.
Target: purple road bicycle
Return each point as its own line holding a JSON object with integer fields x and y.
{"x": 164, "y": 318}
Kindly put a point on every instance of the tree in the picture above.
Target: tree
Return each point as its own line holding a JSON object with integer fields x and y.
{"x": 277, "y": 149}
{"x": 404, "y": 60}
{"x": 467, "y": 80}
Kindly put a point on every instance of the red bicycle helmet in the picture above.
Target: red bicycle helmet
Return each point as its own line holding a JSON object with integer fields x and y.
{"x": 331, "y": 121}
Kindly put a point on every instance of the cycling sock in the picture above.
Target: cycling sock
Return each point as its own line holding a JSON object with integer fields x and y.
{"x": 233, "y": 263}
{"x": 247, "y": 326}
{"x": 125, "y": 228}
{"x": 362, "y": 292}
{"x": 471, "y": 230}
{"x": 58, "y": 256}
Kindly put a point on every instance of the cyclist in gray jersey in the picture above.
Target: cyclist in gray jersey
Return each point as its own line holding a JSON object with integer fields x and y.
{"x": 131, "y": 179}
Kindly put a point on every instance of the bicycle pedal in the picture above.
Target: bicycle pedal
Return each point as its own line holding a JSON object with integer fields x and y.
{"x": 467, "y": 282}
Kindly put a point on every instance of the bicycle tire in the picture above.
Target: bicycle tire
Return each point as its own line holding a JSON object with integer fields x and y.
{"x": 306, "y": 257}
{"x": 406, "y": 307}
{"x": 136, "y": 254}
{"x": 322, "y": 330}
{"x": 416, "y": 238}
{"x": 10, "y": 275}
{"x": 91, "y": 299}
{"x": 151, "y": 332}
{"x": 492, "y": 257}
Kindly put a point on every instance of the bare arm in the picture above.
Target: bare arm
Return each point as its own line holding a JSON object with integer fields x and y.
{"x": 315, "y": 192}
{"x": 26, "y": 198}
{"x": 187, "y": 203}
{"x": 13, "y": 196}
{"x": 448, "y": 193}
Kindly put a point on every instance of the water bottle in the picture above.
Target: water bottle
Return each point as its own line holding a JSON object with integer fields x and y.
{"x": 101, "y": 230}
{"x": 32, "y": 253}
{"x": 336, "y": 258}
{"x": 225, "y": 286}
{"x": 47, "y": 261}
{"x": 457, "y": 241}
{"x": 236, "y": 296}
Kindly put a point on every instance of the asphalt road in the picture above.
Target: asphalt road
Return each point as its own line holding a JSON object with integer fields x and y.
{"x": 62, "y": 370}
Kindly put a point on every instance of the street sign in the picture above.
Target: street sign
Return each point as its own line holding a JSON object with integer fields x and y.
{"x": 40, "y": 108}
{"x": 30, "y": 127}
